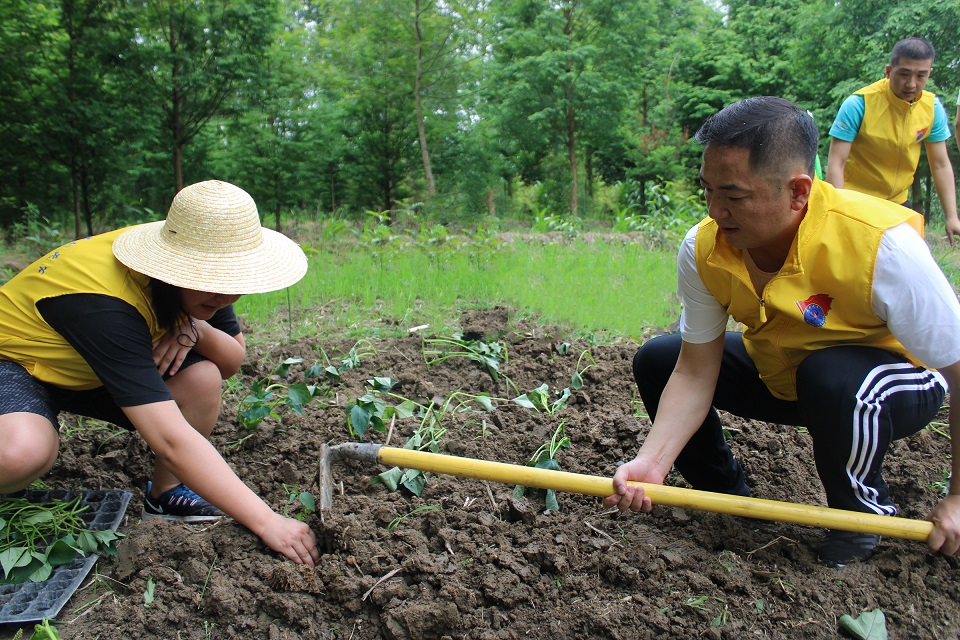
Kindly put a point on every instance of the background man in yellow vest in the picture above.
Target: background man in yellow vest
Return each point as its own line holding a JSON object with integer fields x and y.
{"x": 845, "y": 313}
{"x": 878, "y": 131}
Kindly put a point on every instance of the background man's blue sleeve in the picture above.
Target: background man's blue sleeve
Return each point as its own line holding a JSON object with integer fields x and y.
{"x": 847, "y": 123}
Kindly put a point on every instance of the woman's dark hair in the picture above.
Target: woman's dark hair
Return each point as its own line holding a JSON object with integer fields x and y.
{"x": 166, "y": 304}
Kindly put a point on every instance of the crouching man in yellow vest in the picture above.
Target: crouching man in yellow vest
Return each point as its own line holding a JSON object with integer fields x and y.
{"x": 878, "y": 131}
{"x": 845, "y": 316}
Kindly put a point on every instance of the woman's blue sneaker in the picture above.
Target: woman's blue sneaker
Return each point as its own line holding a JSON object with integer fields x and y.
{"x": 179, "y": 503}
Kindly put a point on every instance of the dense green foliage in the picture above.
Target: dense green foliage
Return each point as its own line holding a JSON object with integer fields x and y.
{"x": 460, "y": 108}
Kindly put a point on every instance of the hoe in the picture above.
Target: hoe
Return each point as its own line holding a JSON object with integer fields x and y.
{"x": 601, "y": 487}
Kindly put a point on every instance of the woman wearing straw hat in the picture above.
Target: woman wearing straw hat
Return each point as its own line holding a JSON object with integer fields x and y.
{"x": 136, "y": 327}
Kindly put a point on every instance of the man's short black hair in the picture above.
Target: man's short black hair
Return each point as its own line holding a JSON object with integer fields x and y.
{"x": 913, "y": 48}
{"x": 777, "y": 133}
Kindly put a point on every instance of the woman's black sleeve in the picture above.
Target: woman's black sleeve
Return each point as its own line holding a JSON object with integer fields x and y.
{"x": 114, "y": 339}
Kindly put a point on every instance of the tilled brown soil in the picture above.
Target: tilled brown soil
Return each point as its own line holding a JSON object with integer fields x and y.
{"x": 479, "y": 563}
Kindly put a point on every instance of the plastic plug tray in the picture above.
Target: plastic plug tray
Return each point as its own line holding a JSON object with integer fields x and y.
{"x": 33, "y": 601}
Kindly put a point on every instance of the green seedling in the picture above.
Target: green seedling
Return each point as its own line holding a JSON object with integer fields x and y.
{"x": 396, "y": 521}
{"x": 272, "y": 400}
{"x": 329, "y": 372}
{"x": 44, "y": 631}
{"x": 489, "y": 355}
{"x": 36, "y": 538}
{"x": 698, "y": 602}
{"x": 539, "y": 399}
{"x": 425, "y": 438}
{"x": 942, "y": 487}
{"x": 371, "y": 411}
{"x": 723, "y": 618}
{"x": 482, "y": 245}
{"x": 305, "y": 500}
{"x": 428, "y": 435}
{"x": 576, "y": 380}
{"x": 149, "y": 592}
{"x": 360, "y": 350}
{"x": 268, "y": 399}
{"x": 545, "y": 457}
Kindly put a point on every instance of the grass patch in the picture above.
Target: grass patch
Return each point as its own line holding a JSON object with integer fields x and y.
{"x": 608, "y": 286}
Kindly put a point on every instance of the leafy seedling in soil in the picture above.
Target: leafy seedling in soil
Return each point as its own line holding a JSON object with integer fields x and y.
{"x": 488, "y": 354}
{"x": 273, "y": 399}
{"x": 371, "y": 411}
{"x": 576, "y": 380}
{"x": 305, "y": 500}
{"x": 149, "y": 594}
{"x": 870, "y": 625}
{"x": 35, "y": 538}
{"x": 545, "y": 457}
{"x": 539, "y": 399}
{"x": 426, "y": 438}
{"x": 360, "y": 350}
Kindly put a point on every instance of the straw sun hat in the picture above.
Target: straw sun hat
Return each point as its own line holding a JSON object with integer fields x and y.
{"x": 212, "y": 241}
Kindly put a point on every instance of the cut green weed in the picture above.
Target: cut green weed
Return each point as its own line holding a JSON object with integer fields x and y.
{"x": 489, "y": 355}
{"x": 399, "y": 519}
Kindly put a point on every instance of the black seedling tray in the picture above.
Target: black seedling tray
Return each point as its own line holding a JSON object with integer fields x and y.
{"x": 33, "y": 601}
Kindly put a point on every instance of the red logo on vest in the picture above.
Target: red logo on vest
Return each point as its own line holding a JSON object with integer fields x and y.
{"x": 920, "y": 134}
{"x": 815, "y": 309}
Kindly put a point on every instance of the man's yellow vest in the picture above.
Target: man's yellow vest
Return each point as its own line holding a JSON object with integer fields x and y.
{"x": 83, "y": 266}
{"x": 884, "y": 155}
{"x": 823, "y": 294}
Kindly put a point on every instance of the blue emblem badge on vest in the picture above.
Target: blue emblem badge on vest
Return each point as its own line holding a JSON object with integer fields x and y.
{"x": 815, "y": 309}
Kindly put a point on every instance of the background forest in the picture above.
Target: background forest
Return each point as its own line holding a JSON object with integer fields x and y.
{"x": 460, "y": 109}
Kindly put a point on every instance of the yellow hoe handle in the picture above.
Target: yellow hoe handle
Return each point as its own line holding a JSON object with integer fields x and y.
{"x": 660, "y": 494}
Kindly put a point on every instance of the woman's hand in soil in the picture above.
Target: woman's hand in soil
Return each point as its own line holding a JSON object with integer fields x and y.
{"x": 292, "y": 538}
{"x": 630, "y": 497}
{"x": 945, "y": 517}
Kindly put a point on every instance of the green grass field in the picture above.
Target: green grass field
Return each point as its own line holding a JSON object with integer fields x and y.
{"x": 607, "y": 288}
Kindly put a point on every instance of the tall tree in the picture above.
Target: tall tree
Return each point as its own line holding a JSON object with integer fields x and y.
{"x": 566, "y": 70}
{"x": 194, "y": 55}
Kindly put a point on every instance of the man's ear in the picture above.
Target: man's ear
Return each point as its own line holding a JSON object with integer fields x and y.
{"x": 799, "y": 186}
{"x": 886, "y": 73}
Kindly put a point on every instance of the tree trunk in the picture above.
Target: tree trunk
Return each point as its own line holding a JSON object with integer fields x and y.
{"x": 85, "y": 199}
{"x": 333, "y": 187}
{"x": 75, "y": 183}
{"x": 175, "y": 124}
{"x": 588, "y": 170}
{"x": 418, "y": 96}
{"x": 571, "y": 118}
{"x": 491, "y": 203}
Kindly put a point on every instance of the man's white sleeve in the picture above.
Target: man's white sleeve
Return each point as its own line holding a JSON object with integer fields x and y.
{"x": 915, "y": 299}
{"x": 703, "y": 318}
